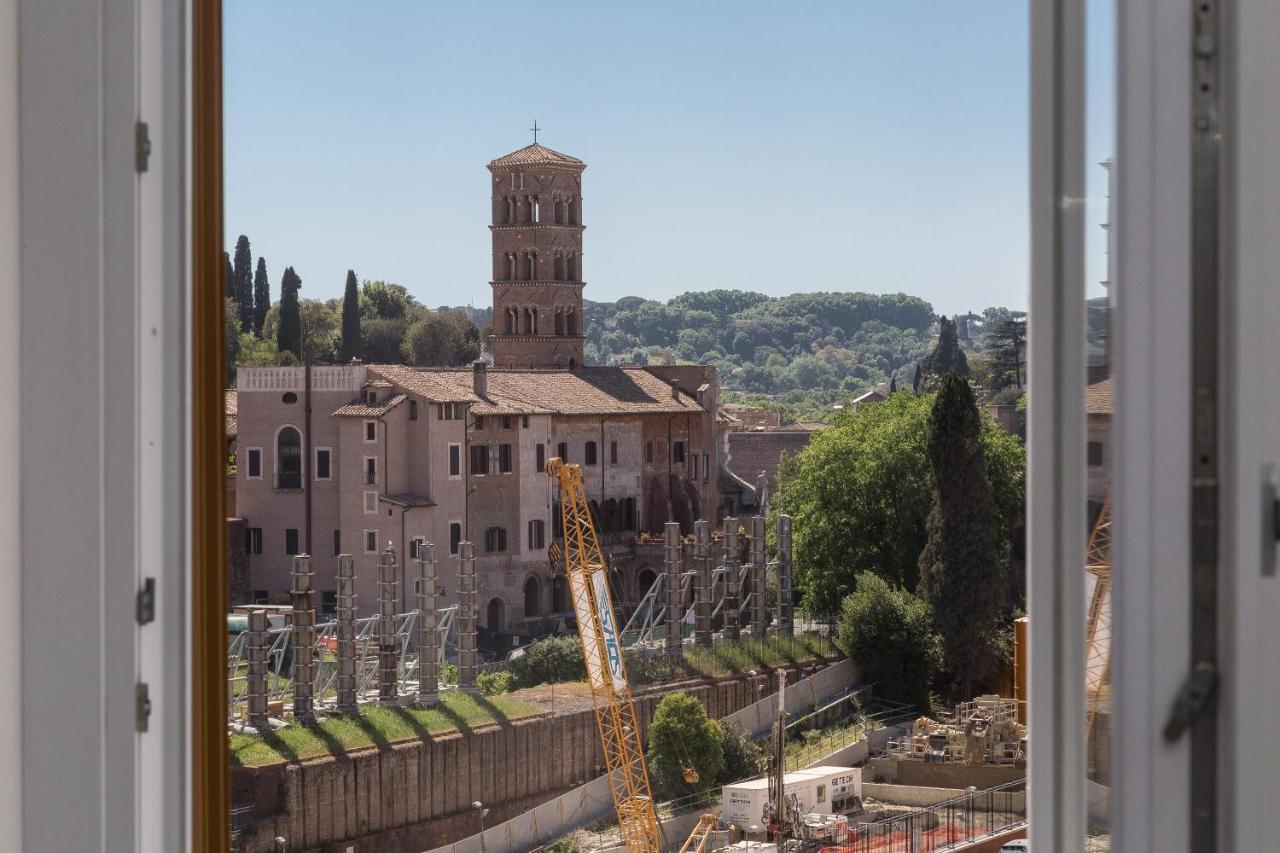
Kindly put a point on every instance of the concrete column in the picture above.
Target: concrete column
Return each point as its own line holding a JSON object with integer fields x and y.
{"x": 303, "y": 639}
{"x": 466, "y": 617}
{"x": 346, "y": 635}
{"x": 673, "y": 569}
{"x": 428, "y": 637}
{"x": 388, "y": 645}
{"x": 785, "y": 615}
{"x": 256, "y": 654}
{"x": 732, "y": 580}
{"x": 757, "y": 577}
{"x": 702, "y": 583}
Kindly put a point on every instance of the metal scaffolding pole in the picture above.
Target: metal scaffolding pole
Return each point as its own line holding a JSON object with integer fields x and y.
{"x": 345, "y": 631}
{"x": 701, "y": 583}
{"x": 256, "y": 677}
{"x": 673, "y": 568}
{"x": 758, "y": 569}
{"x": 466, "y": 617}
{"x": 428, "y": 636}
{"x": 785, "y": 615}
{"x": 303, "y": 637}
{"x": 732, "y": 583}
{"x": 388, "y": 640}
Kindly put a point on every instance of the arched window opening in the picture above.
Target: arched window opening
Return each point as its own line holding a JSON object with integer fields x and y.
{"x": 571, "y": 267}
{"x": 610, "y": 516}
{"x": 532, "y": 598}
{"x": 558, "y": 269}
{"x": 646, "y": 579}
{"x": 629, "y": 514}
{"x": 495, "y": 614}
{"x": 537, "y": 209}
{"x": 289, "y": 459}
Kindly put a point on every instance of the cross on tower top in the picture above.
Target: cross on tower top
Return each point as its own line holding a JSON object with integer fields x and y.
{"x": 535, "y": 130}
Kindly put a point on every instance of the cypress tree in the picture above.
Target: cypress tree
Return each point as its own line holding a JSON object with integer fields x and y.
{"x": 893, "y": 385}
{"x": 261, "y": 296}
{"x": 244, "y": 283}
{"x": 915, "y": 381}
{"x": 289, "y": 335}
{"x": 962, "y": 572}
{"x": 945, "y": 356}
{"x": 231, "y": 282}
{"x": 350, "y": 319}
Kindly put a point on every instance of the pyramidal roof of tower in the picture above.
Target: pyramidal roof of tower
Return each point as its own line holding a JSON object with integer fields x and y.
{"x": 536, "y": 155}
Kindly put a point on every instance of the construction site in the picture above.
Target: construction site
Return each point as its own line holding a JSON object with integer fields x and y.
{"x": 410, "y": 750}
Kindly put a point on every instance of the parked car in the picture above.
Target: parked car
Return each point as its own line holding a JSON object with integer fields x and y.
{"x": 1021, "y": 845}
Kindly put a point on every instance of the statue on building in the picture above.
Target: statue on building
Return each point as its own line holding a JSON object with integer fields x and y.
{"x": 762, "y": 493}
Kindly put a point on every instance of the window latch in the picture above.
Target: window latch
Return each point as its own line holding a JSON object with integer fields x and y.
{"x": 147, "y": 602}
{"x": 141, "y": 146}
{"x": 1194, "y": 697}
{"x": 142, "y": 706}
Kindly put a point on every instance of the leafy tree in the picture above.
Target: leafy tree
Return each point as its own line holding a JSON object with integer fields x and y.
{"x": 254, "y": 351}
{"x": 859, "y": 494}
{"x": 261, "y": 296}
{"x": 382, "y": 339}
{"x": 442, "y": 339}
{"x": 289, "y": 333}
{"x": 743, "y": 757}
{"x": 231, "y": 331}
{"x": 889, "y": 633}
{"x": 243, "y": 276}
{"x": 682, "y": 737}
{"x": 946, "y": 356}
{"x": 962, "y": 567}
{"x": 384, "y": 300}
{"x": 350, "y": 319}
{"x": 549, "y": 661}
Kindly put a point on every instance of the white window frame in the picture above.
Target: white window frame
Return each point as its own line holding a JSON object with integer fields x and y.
{"x": 247, "y": 452}
{"x": 370, "y": 502}
{"x": 449, "y": 460}
{"x": 365, "y": 434}
{"x": 415, "y": 546}
{"x": 364, "y": 541}
{"x": 315, "y": 463}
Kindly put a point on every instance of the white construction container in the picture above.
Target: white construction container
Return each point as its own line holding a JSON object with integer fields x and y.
{"x": 818, "y": 790}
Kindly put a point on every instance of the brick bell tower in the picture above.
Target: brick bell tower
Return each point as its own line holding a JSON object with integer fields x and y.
{"x": 537, "y": 258}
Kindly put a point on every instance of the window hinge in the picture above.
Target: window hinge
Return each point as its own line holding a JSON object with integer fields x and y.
{"x": 1270, "y": 520}
{"x": 141, "y": 146}
{"x": 142, "y": 706}
{"x": 1193, "y": 698}
{"x": 147, "y": 602}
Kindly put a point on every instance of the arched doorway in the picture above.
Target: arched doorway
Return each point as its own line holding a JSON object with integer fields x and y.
{"x": 559, "y": 595}
{"x": 495, "y": 614}
{"x": 646, "y": 579}
{"x": 532, "y": 598}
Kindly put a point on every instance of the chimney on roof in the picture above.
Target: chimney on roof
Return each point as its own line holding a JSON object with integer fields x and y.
{"x": 675, "y": 391}
{"x": 480, "y": 379}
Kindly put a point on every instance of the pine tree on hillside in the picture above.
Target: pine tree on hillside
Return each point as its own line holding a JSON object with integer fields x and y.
{"x": 893, "y": 385}
{"x": 915, "y": 380}
{"x": 350, "y": 319}
{"x": 946, "y": 356}
{"x": 231, "y": 282}
{"x": 962, "y": 570}
{"x": 261, "y": 296}
{"x": 243, "y": 266}
{"x": 289, "y": 335}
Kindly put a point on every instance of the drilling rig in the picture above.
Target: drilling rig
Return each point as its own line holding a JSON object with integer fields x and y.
{"x": 606, "y": 673}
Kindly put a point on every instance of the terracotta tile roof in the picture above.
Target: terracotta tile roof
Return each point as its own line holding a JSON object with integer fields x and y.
{"x": 1097, "y": 397}
{"x": 377, "y": 383}
{"x": 536, "y": 154}
{"x": 361, "y": 409}
{"x": 407, "y": 500}
{"x": 585, "y": 391}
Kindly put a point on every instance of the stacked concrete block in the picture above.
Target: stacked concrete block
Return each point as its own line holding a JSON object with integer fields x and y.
{"x": 303, "y": 638}
{"x": 466, "y": 617}
{"x": 346, "y": 636}
{"x": 673, "y": 567}
{"x": 785, "y": 615}
{"x": 732, "y": 581}
{"x": 388, "y": 641}
{"x": 702, "y": 583}
{"x": 756, "y": 577}
{"x": 256, "y": 679}
{"x": 428, "y": 634}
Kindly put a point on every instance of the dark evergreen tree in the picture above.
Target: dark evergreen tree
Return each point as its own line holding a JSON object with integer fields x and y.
{"x": 915, "y": 380}
{"x": 261, "y": 296}
{"x": 1008, "y": 348}
{"x": 946, "y": 356}
{"x": 231, "y": 282}
{"x": 243, "y": 274}
{"x": 893, "y": 385}
{"x": 962, "y": 568}
{"x": 350, "y": 319}
{"x": 289, "y": 334}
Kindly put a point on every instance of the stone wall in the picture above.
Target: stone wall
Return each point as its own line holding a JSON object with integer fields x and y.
{"x": 417, "y": 795}
{"x": 751, "y": 452}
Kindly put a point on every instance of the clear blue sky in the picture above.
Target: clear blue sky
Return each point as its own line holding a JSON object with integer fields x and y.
{"x": 777, "y": 147}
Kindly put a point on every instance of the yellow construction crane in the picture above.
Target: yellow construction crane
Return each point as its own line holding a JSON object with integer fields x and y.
{"x": 606, "y": 673}
{"x": 1098, "y": 627}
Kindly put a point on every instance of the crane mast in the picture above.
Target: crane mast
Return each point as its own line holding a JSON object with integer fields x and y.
{"x": 606, "y": 672}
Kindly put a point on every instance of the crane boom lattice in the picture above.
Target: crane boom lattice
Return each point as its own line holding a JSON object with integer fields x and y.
{"x": 606, "y": 672}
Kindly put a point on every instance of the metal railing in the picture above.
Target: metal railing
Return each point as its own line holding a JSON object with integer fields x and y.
{"x": 973, "y": 816}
